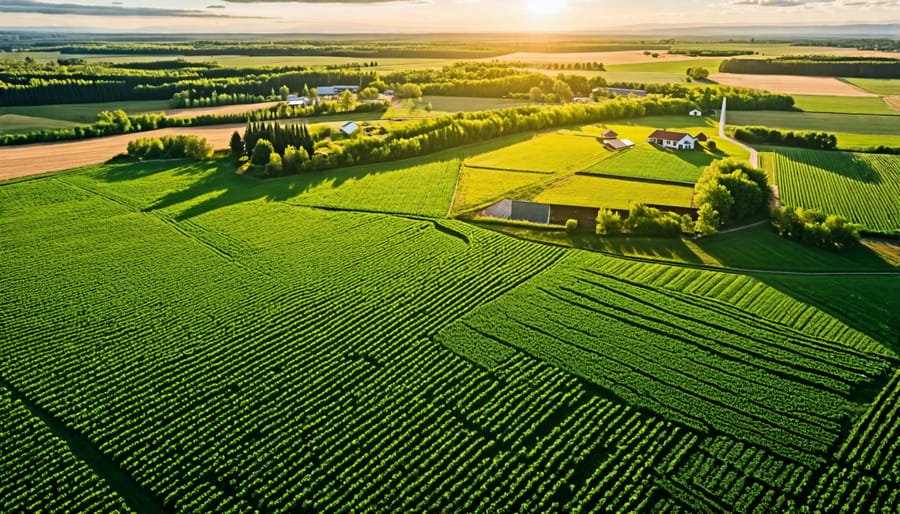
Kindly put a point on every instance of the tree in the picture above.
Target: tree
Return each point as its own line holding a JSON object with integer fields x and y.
{"x": 347, "y": 100}
{"x": 697, "y": 72}
{"x": 261, "y": 152}
{"x": 563, "y": 91}
{"x": 236, "y": 144}
{"x": 197, "y": 148}
{"x": 274, "y": 167}
{"x": 608, "y": 222}
{"x": 369, "y": 93}
{"x": 409, "y": 90}
{"x": 536, "y": 94}
{"x": 571, "y": 226}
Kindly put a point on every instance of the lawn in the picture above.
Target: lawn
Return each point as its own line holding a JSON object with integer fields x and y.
{"x": 843, "y": 104}
{"x": 649, "y": 161}
{"x": 545, "y": 153}
{"x": 610, "y": 193}
{"x": 864, "y": 188}
{"x": 850, "y": 123}
{"x": 85, "y": 113}
{"x": 888, "y": 87}
{"x": 16, "y": 123}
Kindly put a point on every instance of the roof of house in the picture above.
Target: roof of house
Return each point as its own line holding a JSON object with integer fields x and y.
{"x": 668, "y": 135}
{"x": 696, "y": 110}
{"x": 621, "y": 91}
{"x": 701, "y": 136}
{"x": 349, "y": 127}
{"x": 609, "y": 133}
{"x": 618, "y": 144}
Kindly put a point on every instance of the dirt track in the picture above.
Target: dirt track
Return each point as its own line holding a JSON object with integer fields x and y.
{"x": 20, "y": 161}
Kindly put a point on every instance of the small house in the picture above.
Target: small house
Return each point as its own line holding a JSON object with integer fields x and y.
{"x": 335, "y": 90}
{"x": 582, "y": 100}
{"x": 701, "y": 137}
{"x": 614, "y": 91}
{"x": 673, "y": 140}
{"x": 695, "y": 112}
{"x": 617, "y": 144}
{"x": 298, "y": 100}
{"x": 609, "y": 134}
{"x": 349, "y": 128}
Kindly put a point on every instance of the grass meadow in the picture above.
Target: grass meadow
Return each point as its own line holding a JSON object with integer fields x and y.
{"x": 651, "y": 162}
{"x": 85, "y": 113}
{"x": 843, "y": 104}
{"x": 610, "y": 193}
{"x": 16, "y": 123}
{"x": 887, "y": 87}
{"x": 847, "y": 123}
{"x": 545, "y": 153}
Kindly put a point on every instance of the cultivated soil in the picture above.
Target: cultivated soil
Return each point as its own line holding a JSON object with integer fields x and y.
{"x": 24, "y": 160}
{"x": 791, "y": 84}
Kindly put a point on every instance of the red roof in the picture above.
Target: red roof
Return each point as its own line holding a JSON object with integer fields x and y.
{"x": 609, "y": 133}
{"x": 667, "y": 135}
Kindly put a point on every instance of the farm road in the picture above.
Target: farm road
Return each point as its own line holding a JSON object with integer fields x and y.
{"x": 24, "y": 160}
{"x": 754, "y": 155}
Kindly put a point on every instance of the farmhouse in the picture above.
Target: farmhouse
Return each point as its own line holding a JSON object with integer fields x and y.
{"x": 335, "y": 90}
{"x": 609, "y": 133}
{"x": 349, "y": 128}
{"x": 617, "y": 144}
{"x": 695, "y": 112}
{"x": 675, "y": 140}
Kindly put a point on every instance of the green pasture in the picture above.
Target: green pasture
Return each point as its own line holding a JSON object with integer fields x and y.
{"x": 17, "y": 123}
{"x": 843, "y": 104}
{"x": 85, "y": 113}
{"x": 888, "y": 87}
{"x": 610, "y": 193}
{"x": 441, "y": 105}
{"x": 545, "y": 153}
{"x": 673, "y": 67}
{"x": 848, "y": 123}
{"x": 651, "y": 162}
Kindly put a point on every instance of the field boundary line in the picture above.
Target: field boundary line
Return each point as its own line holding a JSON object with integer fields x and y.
{"x": 634, "y": 179}
{"x": 83, "y": 449}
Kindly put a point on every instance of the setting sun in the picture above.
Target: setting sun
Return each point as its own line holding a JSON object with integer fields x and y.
{"x": 546, "y": 7}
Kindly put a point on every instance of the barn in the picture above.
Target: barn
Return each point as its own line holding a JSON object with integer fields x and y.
{"x": 349, "y": 128}
{"x": 673, "y": 140}
{"x": 617, "y": 144}
{"x": 608, "y": 134}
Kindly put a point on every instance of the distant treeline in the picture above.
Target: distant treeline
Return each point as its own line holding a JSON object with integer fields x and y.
{"x": 710, "y": 53}
{"x": 816, "y": 65}
{"x": 118, "y": 122}
{"x": 710, "y": 97}
{"x": 364, "y": 49}
{"x": 801, "y": 139}
{"x": 885, "y": 45}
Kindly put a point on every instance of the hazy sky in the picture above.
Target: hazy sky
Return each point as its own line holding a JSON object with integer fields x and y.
{"x": 325, "y": 16}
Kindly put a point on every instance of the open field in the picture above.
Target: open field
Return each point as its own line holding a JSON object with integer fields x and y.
{"x": 441, "y": 105}
{"x": 16, "y": 123}
{"x": 780, "y": 49}
{"x": 610, "y": 193}
{"x": 607, "y": 58}
{"x": 250, "y": 322}
{"x": 791, "y": 84}
{"x": 86, "y": 113}
{"x": 546, "y": 153}
{"x": 668, "y": 66}
{"x": 649, "y": 161}
{"x": 828, "y": 122}
{"x": 889, "y": 87}
{"x": 864, "y": 188}
{"x": 843, "y": 104}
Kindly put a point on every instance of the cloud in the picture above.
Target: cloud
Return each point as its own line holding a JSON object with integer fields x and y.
{"x": 329, "y": 1}
{"x": 32, "y": 7}
{"x": 215, "y": 6}
{"x": 777, "y": 3}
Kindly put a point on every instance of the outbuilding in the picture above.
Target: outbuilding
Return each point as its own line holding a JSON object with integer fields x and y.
{"x": 617, "y": 144}
{"x": 701, "y": 137}
{"x": 608, "y": 134}
{"x": 349, "y": 128}
{"x": 695, "y": 112}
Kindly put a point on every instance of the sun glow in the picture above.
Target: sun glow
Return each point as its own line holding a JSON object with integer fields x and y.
{"x": 546, "y": 7}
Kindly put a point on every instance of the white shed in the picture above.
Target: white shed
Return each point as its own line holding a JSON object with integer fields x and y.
{"x": 349, "y": 128}
{"x": 695, "y": 112}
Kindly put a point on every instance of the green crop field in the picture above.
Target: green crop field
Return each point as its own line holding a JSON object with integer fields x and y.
{"x": 843, "y": 104}
{"x": 191, "y": 340}
{"x": 861, "y": 187}
{"x": 546, "y": 153}
{"x": 849, "y": 123}
{"x": 441, "y": 105}
{"x": 674, "y": 67}
{"x": 613, "y": 193}
{"x": 649, "y": 161}
{"x": 15, "y": 123}
{"x": 85, "y": 113}
{"x": 888, "y": 87}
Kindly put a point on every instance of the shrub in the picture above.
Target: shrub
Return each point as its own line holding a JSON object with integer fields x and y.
{"x": 649, "y": 221}
{"x": 261, "y": 152}
{"x": 274, "y": 167}
{"x": 608, "y": 222}
{"x": 815, "y": 228}
{"x": 571, "y": 225}
{"x": 198, "y": 149}
{"x": 711, "y": 146}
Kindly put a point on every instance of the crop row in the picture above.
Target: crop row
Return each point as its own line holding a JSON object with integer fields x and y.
{"x": 872, "y": 443}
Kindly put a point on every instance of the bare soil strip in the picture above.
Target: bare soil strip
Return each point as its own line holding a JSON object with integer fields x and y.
{"x": 791, "y": 84}
{"x": 188, "y": 112}
{"x": 24, "y": 160}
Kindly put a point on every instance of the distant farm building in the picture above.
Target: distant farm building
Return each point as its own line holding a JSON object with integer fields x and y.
{"x": 695, "y": 112}
{"x": 349, "y": 128}
{"x": 582, "y": 100}
{"x": 298, "y": 100}
{"x": 617, "y": 144}
{"x": 388, "y": 92}
{"x": 701, "y": 137}
{"x": 607, "y": 134}
{"x": 624, "y": 92}
{"x": 335, "y": 90}
{"x": 674, "y": 140}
